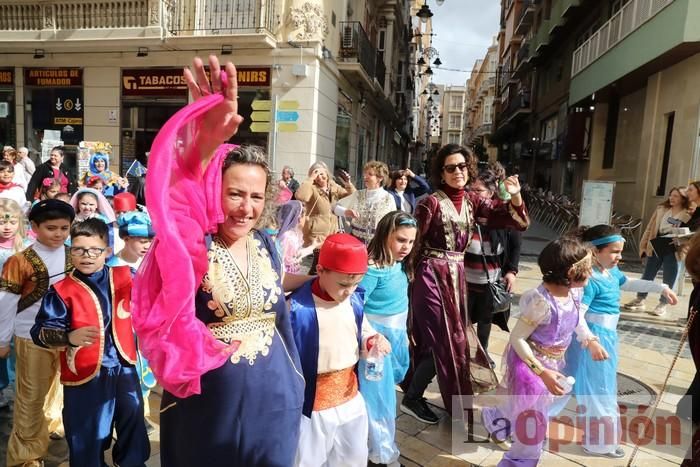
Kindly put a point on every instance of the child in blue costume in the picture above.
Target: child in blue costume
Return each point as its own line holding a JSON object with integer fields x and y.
{"x": 596, "y": 377}
{"x": 87, "y": 316}
{"x": 386, "y": 309}
{"x": 330, "y": 333}
{"x": 137, "y": 233}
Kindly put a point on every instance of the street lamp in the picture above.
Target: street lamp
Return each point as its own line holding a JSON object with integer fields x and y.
{"x": 428, "y": 71}
{"x": 424, "y": 13}
{"x": 421, "y": 61}
{"x": 439, "y": 2}
{"x": 437, "y": 62}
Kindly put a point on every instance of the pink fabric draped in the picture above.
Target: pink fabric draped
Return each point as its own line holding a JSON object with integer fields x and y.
{"x": 184, "y": 205}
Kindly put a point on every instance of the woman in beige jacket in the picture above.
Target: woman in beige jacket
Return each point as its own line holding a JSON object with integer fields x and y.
{"x": 320, "y": 194}
{"x": 669, "y": 214}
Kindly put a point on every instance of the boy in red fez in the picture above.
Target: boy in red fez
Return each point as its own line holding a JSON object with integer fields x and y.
{"x": 124, "y": 202}
{"x": 330, "y": 333}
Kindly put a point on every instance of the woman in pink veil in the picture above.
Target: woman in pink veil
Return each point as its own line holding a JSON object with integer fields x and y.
{"x": 208, "y": 303}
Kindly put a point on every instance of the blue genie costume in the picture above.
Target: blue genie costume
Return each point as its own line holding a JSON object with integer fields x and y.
{"x": 109, "y": 178}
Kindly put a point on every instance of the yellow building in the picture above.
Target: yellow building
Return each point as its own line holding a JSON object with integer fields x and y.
{"x": 479, "y": 106}
{"x": 112, "y": 71}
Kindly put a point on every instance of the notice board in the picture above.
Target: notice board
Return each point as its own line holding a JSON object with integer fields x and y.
{"x": 596, "y": 202}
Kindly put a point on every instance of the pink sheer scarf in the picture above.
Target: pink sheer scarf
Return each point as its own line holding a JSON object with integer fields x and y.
{"x": 184, "y": 205}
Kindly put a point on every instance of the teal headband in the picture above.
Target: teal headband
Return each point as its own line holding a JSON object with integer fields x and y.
{"x": 408, "y": 221}
{"x": 609, "y": 239}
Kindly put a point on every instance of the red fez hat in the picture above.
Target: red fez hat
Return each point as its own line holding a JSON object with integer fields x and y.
{"x": 124, "y": 202}
{"x": 343, "y": 253}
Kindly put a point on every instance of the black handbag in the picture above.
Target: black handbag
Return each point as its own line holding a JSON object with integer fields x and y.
{"x": 496, "y": 289}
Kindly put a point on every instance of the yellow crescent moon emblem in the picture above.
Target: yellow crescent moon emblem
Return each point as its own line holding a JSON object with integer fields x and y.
{"x": 70, "y": 358}
{"x": 121, "y": 312}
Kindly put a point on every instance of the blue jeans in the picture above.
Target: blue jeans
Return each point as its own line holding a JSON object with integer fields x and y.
{"x": 669, "y": 263}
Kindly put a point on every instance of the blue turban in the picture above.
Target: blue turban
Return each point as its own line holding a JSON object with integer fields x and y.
{"x": 135, "y": 224}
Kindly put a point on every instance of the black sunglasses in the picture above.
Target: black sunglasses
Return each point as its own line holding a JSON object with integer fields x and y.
{"x": 450, "y": 168}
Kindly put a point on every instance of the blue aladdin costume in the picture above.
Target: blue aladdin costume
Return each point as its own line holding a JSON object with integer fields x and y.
{"x": 305, "y": 329}
{"x": 111, "y": 398}
{"x": 386, "y": 308}
{"x": 249, "y": 408}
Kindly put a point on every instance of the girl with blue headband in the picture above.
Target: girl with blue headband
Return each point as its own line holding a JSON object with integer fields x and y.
{"x": 595, "y": 372}
{"x": 386, "y": 308}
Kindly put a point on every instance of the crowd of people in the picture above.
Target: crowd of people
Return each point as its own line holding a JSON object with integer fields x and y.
{"x": 262, "y": 362}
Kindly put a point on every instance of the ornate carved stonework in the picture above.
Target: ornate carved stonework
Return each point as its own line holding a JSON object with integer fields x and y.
{"x": 311, "y": 20}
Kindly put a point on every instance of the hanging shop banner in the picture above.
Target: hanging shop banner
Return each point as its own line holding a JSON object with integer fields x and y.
{"x": 143, "y": 82}
{"x": 7, "y": 76}
{"x": 53, "y": 77}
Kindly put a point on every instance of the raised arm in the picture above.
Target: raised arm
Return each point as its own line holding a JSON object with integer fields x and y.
{"x": 222, "y": 121}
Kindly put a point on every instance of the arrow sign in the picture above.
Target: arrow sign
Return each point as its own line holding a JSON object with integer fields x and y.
{"x": 59, "y": 106}
{"x": 78, "y": 105}
{"x": 288, "y": 105}
{"x": 287, "y": 127}
{"x": 260, "y": 104}
{"x": 287, "y": 116}
{"x": 260, "y": 127}
{"x": 260, "y": 116}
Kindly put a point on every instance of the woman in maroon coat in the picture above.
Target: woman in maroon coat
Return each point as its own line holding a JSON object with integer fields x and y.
{"x": 443, "y": 342}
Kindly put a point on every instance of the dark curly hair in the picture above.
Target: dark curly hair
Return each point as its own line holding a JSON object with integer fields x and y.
{"x": 558, "y": 257}
{"x": 438, "y": 161}
{"x": 588, "y": 234}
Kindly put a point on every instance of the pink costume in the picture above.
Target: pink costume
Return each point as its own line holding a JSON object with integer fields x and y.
{"x": 184, "y": 205}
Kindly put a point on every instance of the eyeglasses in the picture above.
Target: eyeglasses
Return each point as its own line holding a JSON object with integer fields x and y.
{"x": 450, "y": 168}
{"x": 93, "y": 252}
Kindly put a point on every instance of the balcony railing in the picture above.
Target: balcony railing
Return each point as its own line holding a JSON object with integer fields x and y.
{"x": 380, "y": 69}
{"x": 630, "y": 18}
{"x": 179, "y": 17}
{"x": 354, "y": 44}
{"x": 523, "y": 54}
{"x": 519, "y": 103}
{"x": 221, "y": 17}
{"x": 62, "y": 15}
{"x": 527, "y": 11}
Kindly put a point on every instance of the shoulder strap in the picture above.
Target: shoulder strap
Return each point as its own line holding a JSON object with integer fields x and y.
{"x": 483, "y": 255}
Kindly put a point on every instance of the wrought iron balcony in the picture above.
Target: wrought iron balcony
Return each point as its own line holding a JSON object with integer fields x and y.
{"x": 380, "y": 70}
{"x": 221, "y": 17}
{"x": 355, "y": 48}
{"x": 527, "y": 13}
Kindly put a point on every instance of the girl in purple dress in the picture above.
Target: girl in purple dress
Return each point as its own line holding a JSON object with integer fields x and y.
{"x": 548, "y": 317}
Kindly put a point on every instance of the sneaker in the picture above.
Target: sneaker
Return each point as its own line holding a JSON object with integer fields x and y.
{"x": 635, "y": 305}
{"x": 659, "y": 310}
{"x": 618, "y": 453}
{"x": 418, "y": 409}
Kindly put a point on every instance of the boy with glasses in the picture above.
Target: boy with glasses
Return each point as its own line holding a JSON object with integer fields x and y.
{"x": 26, "y": 277}
{"x": 87, "y": 316}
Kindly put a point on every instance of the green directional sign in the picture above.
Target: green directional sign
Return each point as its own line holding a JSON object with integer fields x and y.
{"x": 260, "y": 104}
{"x": 263, "y": 116}
{"x": 288, "y": 105}
{"x": 260, "y": 127}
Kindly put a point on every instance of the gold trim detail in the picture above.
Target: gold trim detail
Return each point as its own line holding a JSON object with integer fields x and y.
{"x": 242, "y": 302}
{"x": 72, "y": 351}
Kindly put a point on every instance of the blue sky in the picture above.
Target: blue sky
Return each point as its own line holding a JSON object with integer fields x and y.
{"x": 464, "y": 29}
